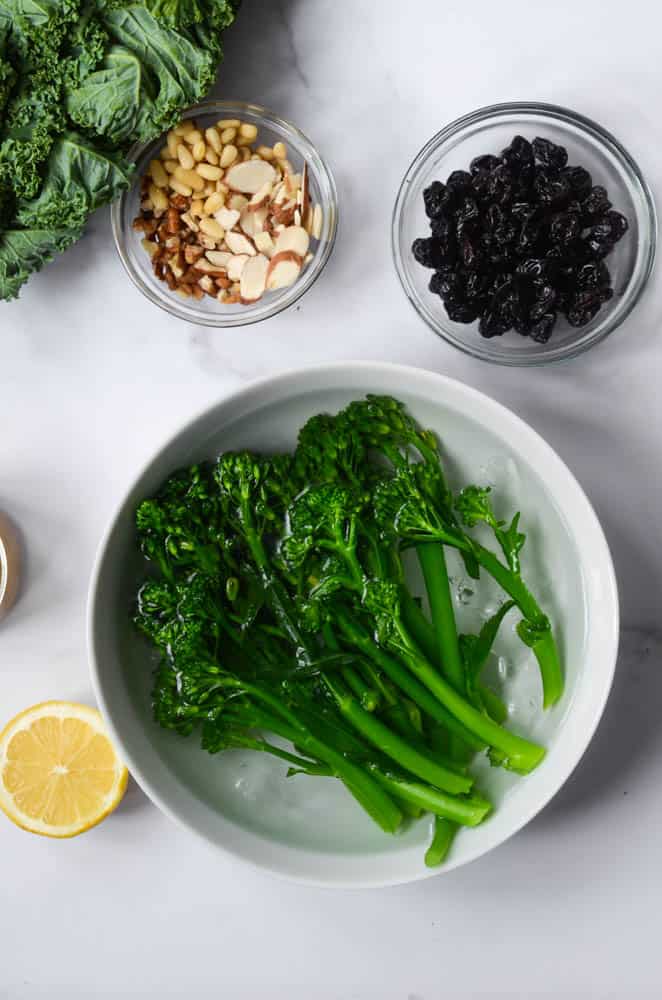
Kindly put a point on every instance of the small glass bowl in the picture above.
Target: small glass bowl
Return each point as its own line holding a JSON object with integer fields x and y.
{"x": 207, "y": 311}
{"x": 489, "y": 130}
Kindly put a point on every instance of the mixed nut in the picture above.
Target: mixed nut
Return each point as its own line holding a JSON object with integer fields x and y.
{"x": 224, "y": 216}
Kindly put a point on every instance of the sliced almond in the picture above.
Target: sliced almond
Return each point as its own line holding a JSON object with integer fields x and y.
{"x": 293, "y": 238}
{"x": 318, "y": 218}
{"x": 261, "y": 197}
{"x": 252, "y": 223}
{"x": 279, "y": 194}
{"x": 248, "y": 177}
{"x": 308, "y": 219}
{"x": 284, "y": 269}
{"x": 284, "y": 214}
{"x": 292, "y": 183}
{"x": 220, "y": 258}
{"x": 237, "y": 202}
{"x": 207, "y": 267}
{"x": 305, "y": 191}
{"x": 236, "y": 265}
{"x": 238, "y": 243}
{"x": 254, "y": 278}
{"x": 264, "y": 243}
{"x": 227, "y": 217}
{"x": 208, "y": 242}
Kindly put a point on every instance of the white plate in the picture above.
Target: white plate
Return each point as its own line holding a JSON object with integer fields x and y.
{"x": 309, "y": 829}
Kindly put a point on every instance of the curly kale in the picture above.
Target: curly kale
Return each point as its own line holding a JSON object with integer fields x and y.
{"x": 80, "y": 82}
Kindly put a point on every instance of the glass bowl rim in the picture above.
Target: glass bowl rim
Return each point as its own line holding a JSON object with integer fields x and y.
{"x": 603, "y": 138}
{"x": 299, "y": 288}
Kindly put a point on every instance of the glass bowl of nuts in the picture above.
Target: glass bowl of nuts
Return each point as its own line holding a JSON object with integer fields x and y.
{"x": 231, "y": 218}
{"x": 523, "y": 234}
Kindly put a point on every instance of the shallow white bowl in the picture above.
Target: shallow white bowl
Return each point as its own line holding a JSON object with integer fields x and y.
{"x": 308, "y": 829}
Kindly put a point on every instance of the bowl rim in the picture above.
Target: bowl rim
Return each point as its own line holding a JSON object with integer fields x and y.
{"x": 246, "y": 317}
{"x": 599, "y": 134}
{"x": 306, "y": 866}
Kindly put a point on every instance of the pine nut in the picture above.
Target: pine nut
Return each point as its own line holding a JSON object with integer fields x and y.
{"x": 248, "y": 130}
{"x": 228, "y": 123}
{"x": 228, "y": 156}
{"x": 193, "y": 137}
{"x": 199, "y": 151}
{"x": 214, "y": 139}
{"x": 212, "y": 228}
{"x": 172, "y": 142}
{"x": 184, "y": 157}
{"x": 190, "y": 178}
{"x": 211, "y": 156}
{"x": 228, "y": 135}
{"x": 280, "y": 150}
{"x": 165, "y": 153}
{"x": 265, "y": 153}
{"x": 245, "y": 153}
{"x": 209, "y": 172}
{"x": 159, "y": 199}
{"x": 209, "y": 188}
{"x": 170, "y": 166}
{"x": 158, "y": 174}
{"x": 184, "y": 127}
{"x": 180, "y": 188}
{"x": 243, "y": 140}
{"x": 197, "y": 207}
{"x": 213, "y": 203}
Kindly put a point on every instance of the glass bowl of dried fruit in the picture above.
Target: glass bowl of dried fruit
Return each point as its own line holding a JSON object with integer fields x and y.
{"x": 232, "y": 216}
{"x": 523, "y": 234}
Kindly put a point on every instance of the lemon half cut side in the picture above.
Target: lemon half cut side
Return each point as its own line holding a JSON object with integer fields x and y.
{"x": 59, "y": 773}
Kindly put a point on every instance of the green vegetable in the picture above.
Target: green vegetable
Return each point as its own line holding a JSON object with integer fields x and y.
{"x": 278, "y": 604}
{"x": 80, "y": 82}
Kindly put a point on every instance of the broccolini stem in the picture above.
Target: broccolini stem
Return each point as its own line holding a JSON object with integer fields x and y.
{"x": 392, "y": 745}
{"x": 368, "y": 697}
{"x": 363, "y": 787}
{"x": 544, "y": 648}
{"x": 546, "y": 654}
{"x": 469, "y": 811}
{"x": 400, "y": 676}
{"x": 442, "y": 839}
{"x": 301, "y": 762}
{"x": 424, "y": 636}
{"x": 521, "y": 755}
{"x": 435, "y": 573}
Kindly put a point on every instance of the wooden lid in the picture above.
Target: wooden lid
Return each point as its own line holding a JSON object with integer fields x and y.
{"x": 10, "y": 564}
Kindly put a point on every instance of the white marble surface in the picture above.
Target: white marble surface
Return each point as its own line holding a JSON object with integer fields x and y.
{"x": 92, "y": 379}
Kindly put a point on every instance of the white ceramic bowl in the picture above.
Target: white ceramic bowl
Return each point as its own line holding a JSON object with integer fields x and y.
{"x": 310, "y": 830}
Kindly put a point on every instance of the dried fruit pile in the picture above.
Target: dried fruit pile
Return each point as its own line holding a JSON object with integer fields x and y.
{"x": 520, "y": 240}
{"x": 225, "y": 217}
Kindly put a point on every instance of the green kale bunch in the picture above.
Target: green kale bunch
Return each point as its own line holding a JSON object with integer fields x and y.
{"x": 80, "y": 82}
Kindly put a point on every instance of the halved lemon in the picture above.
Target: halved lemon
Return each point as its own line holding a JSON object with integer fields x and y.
{"x": 59, "y": 772}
